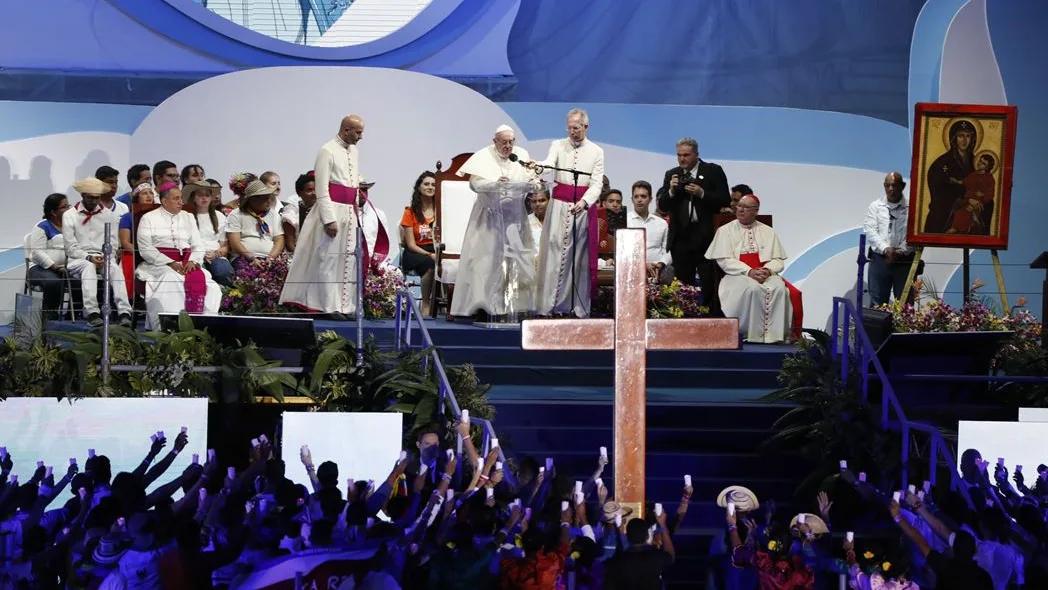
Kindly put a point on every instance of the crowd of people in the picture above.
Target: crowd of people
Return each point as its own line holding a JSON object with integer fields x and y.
{"x": 470, "y": 522}
{"x": 532, "y": 246}
{"x": 984, "y": 533}
{"x": 431, "y": 524}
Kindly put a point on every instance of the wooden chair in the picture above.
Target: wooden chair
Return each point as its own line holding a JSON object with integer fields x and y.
{"x": 453, "y": 202}
{"x": 606, "y": 243}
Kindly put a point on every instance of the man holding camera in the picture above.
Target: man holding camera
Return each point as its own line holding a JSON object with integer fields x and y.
{"x": 692, "y": 194}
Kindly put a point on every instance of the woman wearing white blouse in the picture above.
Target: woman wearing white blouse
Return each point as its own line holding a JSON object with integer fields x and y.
{"x": 46, "y": 252}
{"x": 254, "y": 230}
{"x": 212, "y": 225}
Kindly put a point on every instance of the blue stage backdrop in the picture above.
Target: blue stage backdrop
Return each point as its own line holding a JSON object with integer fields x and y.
{"x": 811, "y": 104}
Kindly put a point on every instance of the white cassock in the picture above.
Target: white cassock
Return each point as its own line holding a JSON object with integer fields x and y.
{"x": 497, "y": 264}
{"x": 164, "y": 238}
{"x": 763, "y": 309}
{"x": 555, "y": 250}
{"x": 323, "y": 273}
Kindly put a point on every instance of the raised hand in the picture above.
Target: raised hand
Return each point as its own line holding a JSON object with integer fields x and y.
{"x": 181, "y": 441}
{"x": 824, "y": 505}
{"x": 158, "y": 445}
{"x": 305, "y": 456}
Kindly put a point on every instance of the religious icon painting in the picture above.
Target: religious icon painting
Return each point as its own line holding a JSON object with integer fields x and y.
{"x": 961, "y": 178}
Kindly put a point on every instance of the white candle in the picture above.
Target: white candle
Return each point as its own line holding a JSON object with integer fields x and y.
{"x": 844, "y": 464}
{"x": 465, "y": 416}
{"x": 604, "y": 452}
{"x": 658, "y": 509}
{"x": 731, "y": 508}
{"x": 687, "y": 481}
{"x": 850, "y": 536}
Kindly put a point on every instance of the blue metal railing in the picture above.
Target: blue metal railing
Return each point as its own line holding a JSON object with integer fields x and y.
{"x": 848, "y": 342}
{"x": 847, "y": 326}
{"x": 406, "y": 317}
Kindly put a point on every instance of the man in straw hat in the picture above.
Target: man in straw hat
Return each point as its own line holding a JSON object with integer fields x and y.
{"x": 172, "y": 258}
{"x": 84, "y": 233}
{"x": 323, "y": 274}
{"x": 497, "y": 269}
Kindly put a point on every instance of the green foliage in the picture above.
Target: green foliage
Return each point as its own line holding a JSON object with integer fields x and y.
{"x": 390, "y": 382}
{"x": 1022, "y": 356}
{"x": 830, "y": 420}
{"x": 65, "y": 364}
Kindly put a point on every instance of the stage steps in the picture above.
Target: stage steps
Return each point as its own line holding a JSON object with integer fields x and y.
{"x": 712, "y": 435}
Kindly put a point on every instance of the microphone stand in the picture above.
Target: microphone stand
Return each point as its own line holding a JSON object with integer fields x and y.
{"x": 574, "y": 222}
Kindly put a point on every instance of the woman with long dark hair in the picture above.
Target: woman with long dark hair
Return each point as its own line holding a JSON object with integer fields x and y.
{"x": 212, "y": 225}
{"x": 46, "y": 252}
{"x": 417, "y": 231}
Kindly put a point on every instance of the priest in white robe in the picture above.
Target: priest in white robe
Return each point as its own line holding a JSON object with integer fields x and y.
{"x": 172, "y": 258}
{"x": 751, "y": 257}
{"x": 497, "y": 264}
{"x": 323, "y": 275}
{"x": 568, "y": 249}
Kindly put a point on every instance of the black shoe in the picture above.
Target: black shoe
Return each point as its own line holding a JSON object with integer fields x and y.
{"x": 337, "y": 317}
{"x": 126, "y": 320}
{"x": 94, "y": 320}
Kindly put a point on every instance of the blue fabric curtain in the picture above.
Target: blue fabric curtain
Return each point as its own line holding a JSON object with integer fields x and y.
{"x": 836, "y": 55}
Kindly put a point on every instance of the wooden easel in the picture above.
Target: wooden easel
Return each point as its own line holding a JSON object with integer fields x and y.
{"x": 966, "y": 266}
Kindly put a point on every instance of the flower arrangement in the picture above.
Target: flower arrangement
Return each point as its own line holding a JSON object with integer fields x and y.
{"x": 257, "y": 286}
{"x": 976, "y": 314}
{"x": 675, "y": 300}
{"x": 239, "y": 181}
{"x": 380, "y": 292}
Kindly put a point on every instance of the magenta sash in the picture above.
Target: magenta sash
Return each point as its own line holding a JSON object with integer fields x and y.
{"x": 348, "y": 196}
{"x": 566, "y": 193}
{"x": 195, "y": 283}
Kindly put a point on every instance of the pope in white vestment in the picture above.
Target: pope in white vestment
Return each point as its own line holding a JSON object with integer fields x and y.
{"x": 751, "y": 257}
{"x": 172, "y": 262}
{"x": 497, "y": 264}
{"x": 555, "y": 289}
{"x": 323, "y": 274}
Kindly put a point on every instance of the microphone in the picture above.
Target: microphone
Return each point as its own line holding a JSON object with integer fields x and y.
{"x": 515, "y": 158}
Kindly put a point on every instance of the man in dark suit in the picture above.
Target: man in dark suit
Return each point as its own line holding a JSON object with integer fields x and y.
{"x": 692, "y": 194}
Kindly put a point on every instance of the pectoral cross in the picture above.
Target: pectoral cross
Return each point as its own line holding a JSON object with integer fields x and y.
{"x": 630, "y": 335}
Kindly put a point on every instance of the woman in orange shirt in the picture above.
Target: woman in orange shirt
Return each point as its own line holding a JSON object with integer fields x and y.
{"x": 417, "y": 224}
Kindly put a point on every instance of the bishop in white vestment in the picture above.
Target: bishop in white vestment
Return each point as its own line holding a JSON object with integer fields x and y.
{"x": 571, "y": 211}
{"x": 497, "y": 265}
{"x": 751, "y": 257}
{"x": 323, "y": 274}
{"x": 172, "y": 261}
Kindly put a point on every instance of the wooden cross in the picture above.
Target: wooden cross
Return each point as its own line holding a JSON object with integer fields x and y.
{"x": 630, "y": 335}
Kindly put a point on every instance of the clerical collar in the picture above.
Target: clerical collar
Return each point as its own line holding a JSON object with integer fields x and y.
{"x": 342, "y": 142}
{"x": 576, "y": 145}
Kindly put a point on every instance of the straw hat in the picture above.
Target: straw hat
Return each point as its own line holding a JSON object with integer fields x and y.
{"x": 612, "y": 508}
{"x": 91, "y": 186}
{"x": 816, "y": 524}
{"x": 190, "y": 188}
{"x": 744, "y": 499}
{"x": 257, "y": 188}
{"x": 110, "y": 549}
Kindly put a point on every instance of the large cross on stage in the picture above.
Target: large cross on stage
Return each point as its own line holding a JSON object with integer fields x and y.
{"x": 630, "y": 335}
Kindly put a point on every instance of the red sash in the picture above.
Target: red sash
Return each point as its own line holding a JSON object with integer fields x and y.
{"x": 753, "y": 260}
{"x": 347, "y": 195}
{"x": 195, "y": 283}
{"x": 569, "y": 194}
{"x": 127, "y": 265}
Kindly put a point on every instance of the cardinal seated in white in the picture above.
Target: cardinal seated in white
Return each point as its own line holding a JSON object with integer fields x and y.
{"x": 172, "y": 254}
{"x": 751, "y": 257}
